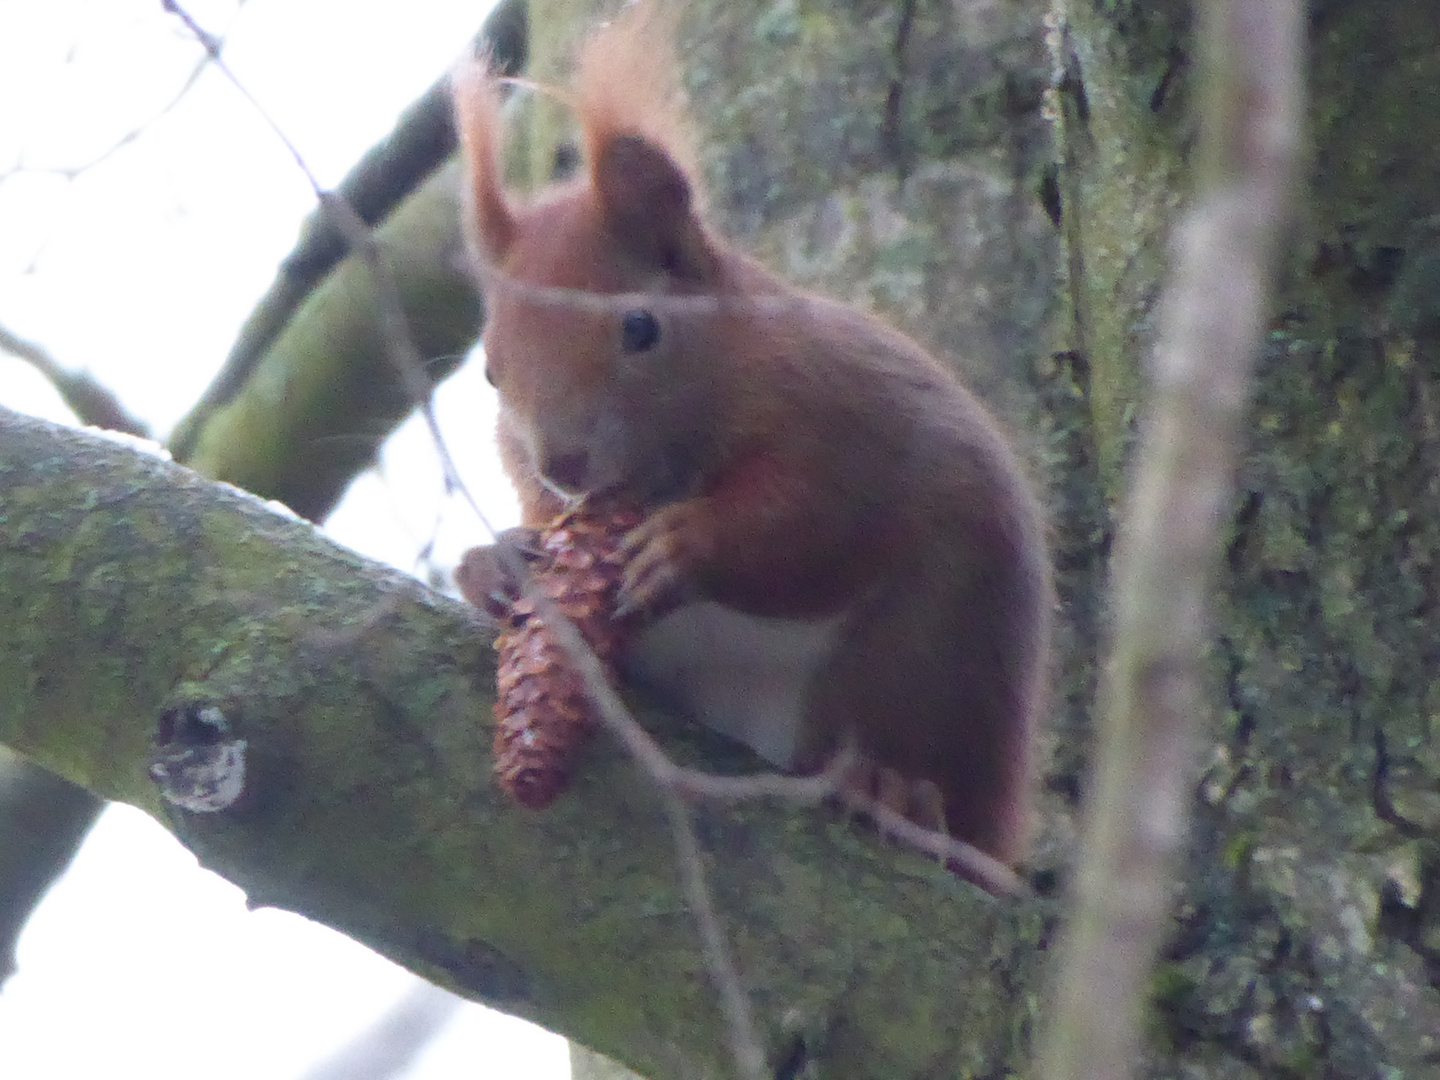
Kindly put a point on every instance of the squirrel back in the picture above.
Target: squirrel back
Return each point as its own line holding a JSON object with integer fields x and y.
{"x": 838, "y": 535}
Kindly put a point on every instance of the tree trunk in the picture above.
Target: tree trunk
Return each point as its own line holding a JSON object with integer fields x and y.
{"x": 1308, "y": 928}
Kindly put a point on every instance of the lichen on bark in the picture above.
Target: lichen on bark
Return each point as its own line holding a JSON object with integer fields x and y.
{"x": 1305, "y": 936}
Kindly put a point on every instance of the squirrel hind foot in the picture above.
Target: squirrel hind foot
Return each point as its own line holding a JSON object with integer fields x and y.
{"x": 871, "y": 785}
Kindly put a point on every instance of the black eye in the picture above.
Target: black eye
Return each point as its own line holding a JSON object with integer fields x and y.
{"x": 639, "y": 330}
{"x": 489, "y": 375}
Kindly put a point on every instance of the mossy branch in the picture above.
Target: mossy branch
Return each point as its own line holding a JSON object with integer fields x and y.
{"x": 131, "y": 589}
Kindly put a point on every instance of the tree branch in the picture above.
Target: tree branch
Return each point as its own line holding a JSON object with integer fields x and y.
{"x": 43, "y": 819}
{"x": 306, "y": 395}
{"x": 132, "y": 590}
{"x": 91, "y": 402}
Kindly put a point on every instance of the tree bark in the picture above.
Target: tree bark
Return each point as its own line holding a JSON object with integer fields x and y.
{"x": 1305, "y": 936}
{"x": 142, "y": 604}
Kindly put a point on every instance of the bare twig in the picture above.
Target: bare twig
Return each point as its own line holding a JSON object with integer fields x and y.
{"x": 73, "y": 171}
{"x": 90, "y": 401}
{"x": 568, "y": 297}
{"x": 989, "y": 873}
{"x": 801, "y": 790}
{"x": 1212, "y": 323}
{"x": 405, "y": 357}
{"x": 390, "y": 177}
{"x": 745, "y": 1045}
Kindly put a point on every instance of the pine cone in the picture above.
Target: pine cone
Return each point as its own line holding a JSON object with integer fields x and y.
{"x": 543, "y": 714}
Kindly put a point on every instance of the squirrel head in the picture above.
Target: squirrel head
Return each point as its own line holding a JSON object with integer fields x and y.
{"x": 598, "y": 376}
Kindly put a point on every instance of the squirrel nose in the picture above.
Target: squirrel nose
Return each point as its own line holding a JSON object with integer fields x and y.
{"x": 567, "y": 470}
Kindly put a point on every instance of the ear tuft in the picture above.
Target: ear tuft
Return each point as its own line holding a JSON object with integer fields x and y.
{"x": 636, "y": 138}
{"x": 627, "y": 81}
{"x": 489, "y": 223}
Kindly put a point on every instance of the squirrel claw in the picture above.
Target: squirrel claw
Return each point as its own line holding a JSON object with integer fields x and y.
{"x": 647, "y": 584}
{"x": 653, "y": 578}
{"x": 485, "y": 576}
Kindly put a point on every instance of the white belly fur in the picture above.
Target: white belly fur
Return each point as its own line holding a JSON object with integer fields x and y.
{"x": 741, "y": 675}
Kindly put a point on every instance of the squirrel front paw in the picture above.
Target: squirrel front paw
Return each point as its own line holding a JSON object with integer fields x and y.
{"x": 662, "y": 553}
{"x": 486, "y": 577}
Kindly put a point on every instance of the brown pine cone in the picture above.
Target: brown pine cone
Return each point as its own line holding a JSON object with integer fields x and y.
{"x": 542, "y": 713}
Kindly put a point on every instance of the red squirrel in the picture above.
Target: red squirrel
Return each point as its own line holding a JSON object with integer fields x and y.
{"x": 839, "y": 541}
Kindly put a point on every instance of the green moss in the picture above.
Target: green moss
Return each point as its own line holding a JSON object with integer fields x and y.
{"x": 317, "y": 403}
{"x": 1125, "y": 148}
{"x": 1238, "y": 851}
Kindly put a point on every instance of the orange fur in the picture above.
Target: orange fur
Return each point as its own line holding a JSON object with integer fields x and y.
{"x": 480, "y": 132}
{"x": 627, "y": 82}
{"x": 838, "y": 537}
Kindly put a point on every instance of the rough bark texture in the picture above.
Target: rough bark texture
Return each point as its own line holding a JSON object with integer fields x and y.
{"x": 1306, "y": 934}
{"x": 132, "y": 590}
{"x": 1316, "y": 886}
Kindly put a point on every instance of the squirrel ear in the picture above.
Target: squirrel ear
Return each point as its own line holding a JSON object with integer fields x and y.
{"x": 646, "y": 199}
{"x": 489, "y": 224}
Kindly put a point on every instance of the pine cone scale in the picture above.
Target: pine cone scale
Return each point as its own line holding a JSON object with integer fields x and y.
{"x": 543, "y": 714}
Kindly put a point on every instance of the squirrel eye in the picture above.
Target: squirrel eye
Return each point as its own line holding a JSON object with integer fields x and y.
{"x": 639, "y": 330}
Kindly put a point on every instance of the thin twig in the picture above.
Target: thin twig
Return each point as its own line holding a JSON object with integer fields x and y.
{"x": 745, "y": 1045}
{"x": 73, "y": 172}
{"x": 394, "y": 326}
{"x": 570, "y": 298}
{"x": 1212, "y": 323}
{"x": 984, "y": 870}
{"x": 800, "y": 790}
{"x": 90, "y": 401}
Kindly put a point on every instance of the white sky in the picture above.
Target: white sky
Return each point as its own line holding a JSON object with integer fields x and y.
{"x": 140, "y": 269}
